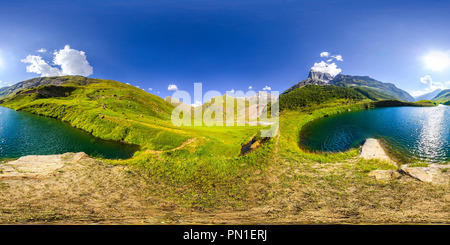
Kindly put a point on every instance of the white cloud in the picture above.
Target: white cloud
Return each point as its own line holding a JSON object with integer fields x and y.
{"x": 232, "y": 91}
{"x": 326, "y": 68}
{"x": 197, "y": 103}
{"x": 338, "y": 57}
{"x": 324, "y": 54}
{"x": 172, "y": 87}
{"x": 39, "y": 66}
{"x": 426, "y": 79}
{"x": 150, "y": 89}
{"x": 267, "y": 88}
{"x": 71, "y": 61}
{"x": 250, "y": 87}
{"x": 4, "y": 84}
{"x": 41, "y": 50}
{"x": 432, "y": 86}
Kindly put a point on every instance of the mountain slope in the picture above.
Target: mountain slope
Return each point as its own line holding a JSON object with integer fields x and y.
{"x": 36, "y": 82}
{"x": 107, "y": 109}
{"x": 428, "y": 96}
{"x": 314, "y": 78}
{"x": 244, "y": 107}
{"x": 370, "y": 87}
{"x": 388, "y": 89}
{"x": 443, "y": 96}
{"x": 311, "y": 95}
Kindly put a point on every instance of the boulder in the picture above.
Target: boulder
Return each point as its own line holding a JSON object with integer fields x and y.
{"x": 434, "y": 173}
{"x": 79, "y": 156}
{"x": 255, "y": 145}
{"x": 385, "y": 174}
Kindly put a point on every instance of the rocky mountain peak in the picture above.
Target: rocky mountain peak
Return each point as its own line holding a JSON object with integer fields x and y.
{"x": 320, "y": 76}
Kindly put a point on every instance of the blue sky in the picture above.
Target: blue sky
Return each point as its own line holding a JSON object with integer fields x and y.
{"x": 229, "y": 44}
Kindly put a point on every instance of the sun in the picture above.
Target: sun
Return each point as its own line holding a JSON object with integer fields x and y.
{"x": 437, "y": 60}
{"x": 1, "y": 60}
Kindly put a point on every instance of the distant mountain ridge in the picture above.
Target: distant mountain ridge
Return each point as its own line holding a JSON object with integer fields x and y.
{"x": 246, "y": 107}
{"x": 428, "y": 96}
{"x": 366, "y": 85}
{"x": 366, "y": 81}
{"x": 40, "y": 81}
{"x": 443, "y": 96}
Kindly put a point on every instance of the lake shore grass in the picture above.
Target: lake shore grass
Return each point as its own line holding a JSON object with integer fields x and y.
{"x": 195, "y": 174}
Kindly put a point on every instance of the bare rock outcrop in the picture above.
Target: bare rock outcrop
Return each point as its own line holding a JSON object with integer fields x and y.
{"x": 385, "y": 174}
{"x": 372, "y": 149}
{"x": 38, "y": 166}
{"x": 434, "y": 173}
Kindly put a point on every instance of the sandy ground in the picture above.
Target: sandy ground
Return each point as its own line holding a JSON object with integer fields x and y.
{"x": 84, "y": 190}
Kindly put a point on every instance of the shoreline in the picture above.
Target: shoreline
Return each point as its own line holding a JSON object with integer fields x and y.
{"x": 373, "y": 149}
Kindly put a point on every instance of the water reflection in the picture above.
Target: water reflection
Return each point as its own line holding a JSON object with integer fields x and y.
{"x": 431, "y": 143}
{"x": 23, "y": 134}
{"x": 421, "y": 133}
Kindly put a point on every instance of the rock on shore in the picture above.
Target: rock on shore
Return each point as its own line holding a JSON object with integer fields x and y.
{"x": 434, "y": 173}
{"x": 372, "y": 149}
{"x": 38, "y": 166}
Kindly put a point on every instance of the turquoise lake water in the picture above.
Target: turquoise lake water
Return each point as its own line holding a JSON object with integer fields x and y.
{"x": 23, "y": 133}
{"x": 421, "y": 133}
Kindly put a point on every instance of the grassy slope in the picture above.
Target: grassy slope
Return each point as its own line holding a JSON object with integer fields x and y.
{"x": 443, "y": 97}
{"x": 109, "y": 110}
{"x": 208, "y": 167}
{"x": 365, "y": 82}
{"x": 208, "y": 172}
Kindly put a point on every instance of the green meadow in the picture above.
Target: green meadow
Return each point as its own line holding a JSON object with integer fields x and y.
{"x": 201, "y": 167}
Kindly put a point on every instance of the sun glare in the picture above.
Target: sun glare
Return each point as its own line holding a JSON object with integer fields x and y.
{"x": 437, "y": 60}
{"x": 1, "y": 60}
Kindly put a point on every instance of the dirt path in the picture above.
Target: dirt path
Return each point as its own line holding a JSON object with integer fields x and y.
{"x": 187, "y": 142}
{"x": 372, "y": 149}
{"x": 276, "y": 142}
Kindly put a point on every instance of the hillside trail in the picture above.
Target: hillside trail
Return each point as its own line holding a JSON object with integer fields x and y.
{"x": 158, "y": 152}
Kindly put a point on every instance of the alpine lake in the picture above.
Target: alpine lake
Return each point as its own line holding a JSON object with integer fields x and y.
{"x": 418, "y": 134}
{"x": 23, "y": 133}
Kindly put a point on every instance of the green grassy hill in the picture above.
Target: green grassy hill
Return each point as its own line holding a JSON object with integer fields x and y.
{"x": 369, "y": 87}
{"x": 373, "y": 93}
{"x": 203, "y": 161}
{"x": 311, "y": 95}
{"x": 244, "y": 108}
{"x": 379, "y": 89}
{"x": 108, "y": 109}
{"x": 443, "y": 97}
{"x": 201, "y": 168}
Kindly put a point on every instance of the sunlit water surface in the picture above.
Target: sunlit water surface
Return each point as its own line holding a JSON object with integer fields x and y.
{"x": 421, "y": 133}
{"x": 24, "y": 134}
